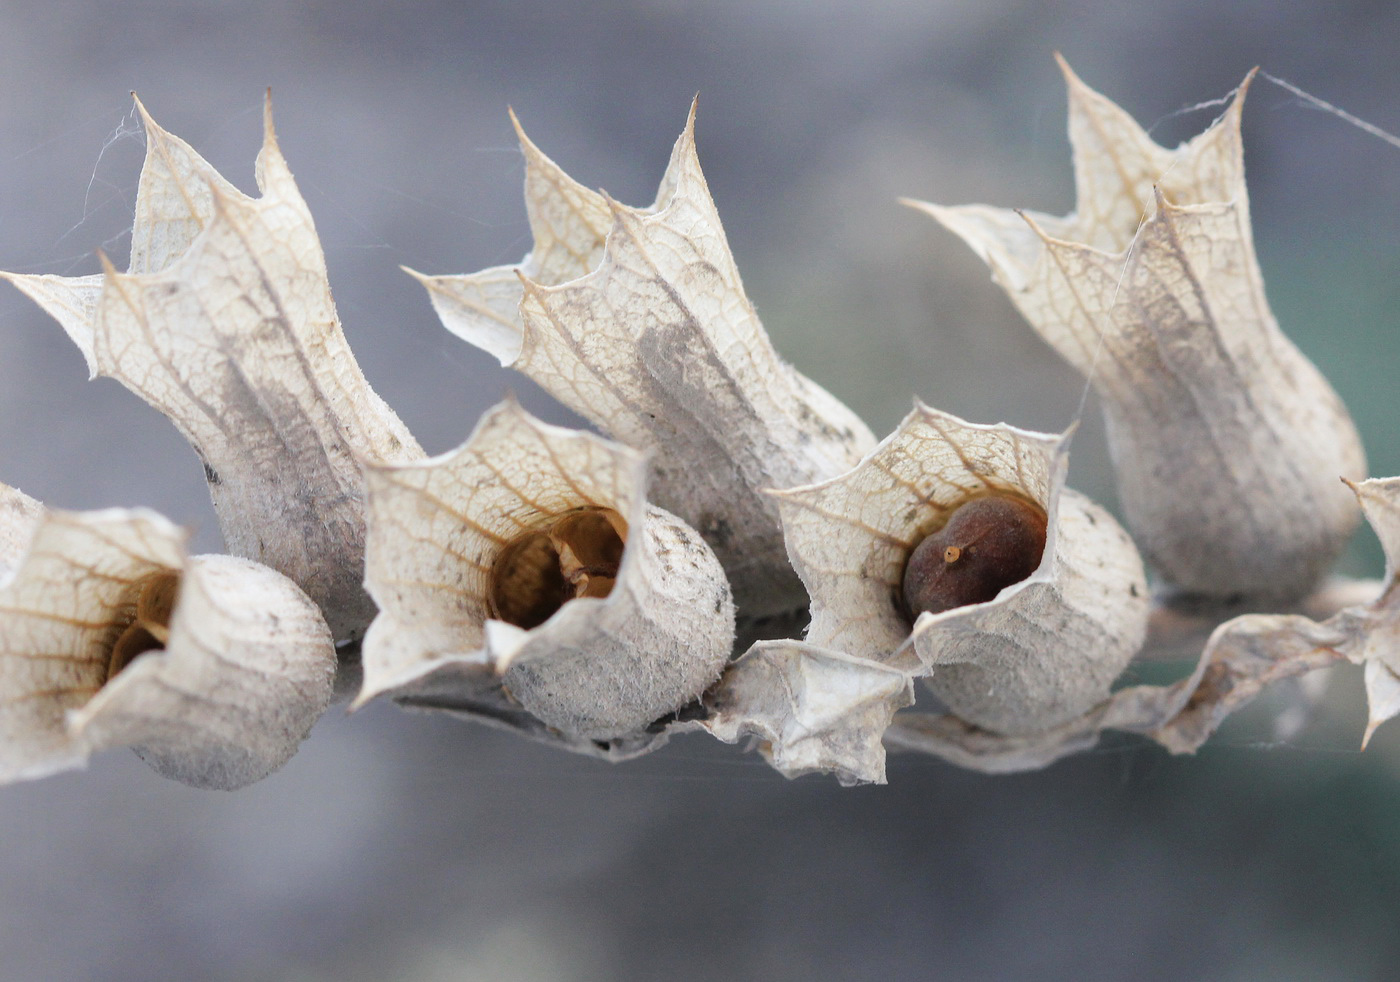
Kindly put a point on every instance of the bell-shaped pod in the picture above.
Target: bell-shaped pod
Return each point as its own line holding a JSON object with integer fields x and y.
{"x": 213, "y": 668}
{"x": 954, "y": 550}
{"x": 225, "y": 323}
{"x": 524, "y": 579}
{"x": 637, "y": 319}
{"x": 1227, "y": 442}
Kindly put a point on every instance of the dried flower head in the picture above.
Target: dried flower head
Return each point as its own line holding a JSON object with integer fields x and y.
{"x": 1022, "y": 650}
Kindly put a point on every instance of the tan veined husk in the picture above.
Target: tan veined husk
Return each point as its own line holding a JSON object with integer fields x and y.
{"x": 1046, "y": 648}
{"x": 604, "y": 671}
{"x": 213, "y": 668}
{"x": 1042, "y": 652}
{"x": 637, "y": 319}
{"x": 1241, "y": 658}
{"x": 810, "y": 709}
{"x": 225, "y": 323}
{"x": 1227, "y": 442}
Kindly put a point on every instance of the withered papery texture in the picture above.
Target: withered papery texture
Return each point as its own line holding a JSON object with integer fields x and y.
{"x": 601, "y": 670}
{"x": 1043, "y": 650}
{"x": 1227, "y": 442}
{"x": 225, "y": 323}
{"x": 811, "y": 709}
{"x": 1373, "y": 630}
{"x": 1241, "y": 658}
{"x": 246, "y": 669}
{"x": 637, "y": 319}
{"x": 19, "y": 517}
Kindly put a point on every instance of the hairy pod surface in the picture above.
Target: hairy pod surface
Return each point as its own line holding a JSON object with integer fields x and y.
{"x": 526, "y": 571}
{"x": 1226, "y": 441}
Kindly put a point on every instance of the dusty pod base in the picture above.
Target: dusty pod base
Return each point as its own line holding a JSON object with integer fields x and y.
{"x": 248, "y": 669}
{"x": 603, "y": 671}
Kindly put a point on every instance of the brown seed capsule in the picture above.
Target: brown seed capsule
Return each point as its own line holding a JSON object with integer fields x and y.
{"x": 986, "y": 545}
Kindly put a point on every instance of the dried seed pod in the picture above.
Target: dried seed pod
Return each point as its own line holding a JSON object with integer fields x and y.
{"x": 1226, "y": 440}
{"x": 225, "y": 323}
{"x": 212, "y": 668}
{"x": 524, "y": 579}
{"x": 637, "y": 319}
{"x": 1041, "y": 650}
{"x": 1241, "y": 657}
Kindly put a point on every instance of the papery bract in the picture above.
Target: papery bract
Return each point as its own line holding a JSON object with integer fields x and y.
{"x": 1044, "y": 649}
{"x": 815, "y": 710}
{"x": 225, "y": 323}
{"x": 1227, "y": 442}
{"x": 652, "y": 337}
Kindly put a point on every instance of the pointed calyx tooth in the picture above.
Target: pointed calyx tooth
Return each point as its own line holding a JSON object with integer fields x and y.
{"x": 19, "y": 517}
{"x": 523, "y": 579}
{"x": 225, "y": 323}
{"x": 637, "y": 319}
{"x": 1226, "y": 440}
{"x": 212, "y": 668}
{"x": 954, "y": 551}
{"x": 1373, "y": 630}
{"x": 569, "y": 223}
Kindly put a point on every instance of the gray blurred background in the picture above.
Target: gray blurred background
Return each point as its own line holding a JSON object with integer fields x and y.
{"x": 400, "y": 846}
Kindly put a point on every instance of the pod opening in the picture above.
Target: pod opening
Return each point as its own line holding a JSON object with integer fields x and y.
{"x": 576, "y": 554}
{"x": 986, "y": 545}
{"x": 149, "y": 630}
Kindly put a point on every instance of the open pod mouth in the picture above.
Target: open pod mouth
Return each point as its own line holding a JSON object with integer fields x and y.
{"x": 953, "y": 552}
{"x": 942, "y": 516}
{"x": 577, "y": 554}
{"x": 156, "y": 596}
{"x": 523, "y": 579}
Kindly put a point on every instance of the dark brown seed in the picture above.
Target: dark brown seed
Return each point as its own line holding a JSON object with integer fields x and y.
{"x": 987, "y": 544}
